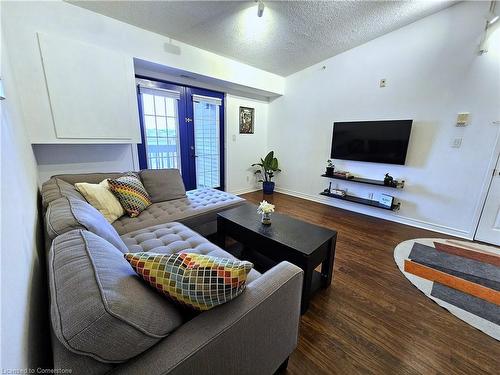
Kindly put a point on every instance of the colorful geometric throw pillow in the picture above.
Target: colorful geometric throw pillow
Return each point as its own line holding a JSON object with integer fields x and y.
{"x": 194, "y": 280}
{"x": 131, "y": 193}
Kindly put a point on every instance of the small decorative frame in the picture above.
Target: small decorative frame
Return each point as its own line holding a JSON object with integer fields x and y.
{"x": 246, "y": 120}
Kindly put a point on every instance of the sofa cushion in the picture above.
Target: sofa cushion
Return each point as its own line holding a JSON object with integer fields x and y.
{"x": 91, "y": 178}
{"x": 99, "y": 307}
{"x": 174, "y": 238}
{"x": 198, "y": 202}
{"x": 200, "y": 282}
{"x": 131, "y": 193}
{"x": 163, "y": 184}
{"x": 65, "y": 214}
{"x": 56, "y": 188}
{"x": 102, "y": 199}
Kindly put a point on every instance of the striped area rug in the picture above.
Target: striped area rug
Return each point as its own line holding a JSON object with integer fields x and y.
{"x": 463, "y": 277}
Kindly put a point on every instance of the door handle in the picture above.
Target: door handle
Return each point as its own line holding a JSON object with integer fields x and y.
{"x": 193, "y": 154}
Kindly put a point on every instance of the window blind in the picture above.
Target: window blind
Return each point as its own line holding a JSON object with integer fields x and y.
{"x": 160, "y": 92}
{"x": 207, "y": 99}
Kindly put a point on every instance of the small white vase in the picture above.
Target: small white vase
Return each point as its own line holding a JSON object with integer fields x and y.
{"x": 266, "y": 218}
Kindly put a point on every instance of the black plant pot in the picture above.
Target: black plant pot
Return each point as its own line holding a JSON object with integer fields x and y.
{"x": 268, "y": 187}
{"x": 329, "y": 171}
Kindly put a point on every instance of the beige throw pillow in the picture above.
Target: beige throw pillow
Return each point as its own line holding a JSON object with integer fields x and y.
{"x": 102, "y": 199}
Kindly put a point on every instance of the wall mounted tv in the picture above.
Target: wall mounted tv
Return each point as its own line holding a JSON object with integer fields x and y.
{"x": 373, "y": 141}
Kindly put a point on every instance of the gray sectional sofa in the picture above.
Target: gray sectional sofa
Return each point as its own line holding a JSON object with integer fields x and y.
{"x": 105, "y": 320}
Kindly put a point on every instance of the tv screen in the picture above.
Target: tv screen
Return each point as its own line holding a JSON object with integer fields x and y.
{"x": 372, "y": 141}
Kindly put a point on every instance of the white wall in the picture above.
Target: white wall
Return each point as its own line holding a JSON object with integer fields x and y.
{"x": 433, "y": 72}
{"x": 242, "y": 150}
{"x": 23, "y": 305}
{"x": 59, "y": 18}
{"x": 63, "y": 19}
{"x": 60, "y": 159}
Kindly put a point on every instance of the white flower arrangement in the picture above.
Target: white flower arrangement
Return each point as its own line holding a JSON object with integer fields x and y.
{"x": 265, "y": 208}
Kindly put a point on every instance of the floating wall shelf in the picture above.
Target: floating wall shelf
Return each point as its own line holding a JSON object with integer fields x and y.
{"x": 366, "y": 202}
{"x": 398, "y": 184}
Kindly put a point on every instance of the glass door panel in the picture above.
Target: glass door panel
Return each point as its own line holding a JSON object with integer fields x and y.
{"x": 161, "y": 129}
{"x": 182, "y": 128}
{"x": 207, "y": 144}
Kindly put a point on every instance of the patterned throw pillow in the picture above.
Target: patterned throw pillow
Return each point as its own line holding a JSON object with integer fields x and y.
{"x": 194, "y": 280}
{"x": 131, "y": 193}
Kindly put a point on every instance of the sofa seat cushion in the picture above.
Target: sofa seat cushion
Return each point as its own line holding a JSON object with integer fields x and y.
{"x": 99, "y": 306}
{"x": 66, "y": 214}
{"x": 174, "y": 238}
{"x": 56, "y": 188}
{"x": 198, "y": 202}
{"x": 163, "y": 184}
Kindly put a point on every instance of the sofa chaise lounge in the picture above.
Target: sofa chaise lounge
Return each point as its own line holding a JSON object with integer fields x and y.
{"x": 90, "y": 288}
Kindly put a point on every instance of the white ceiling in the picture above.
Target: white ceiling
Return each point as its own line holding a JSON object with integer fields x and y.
{"x": 291, "y": 35}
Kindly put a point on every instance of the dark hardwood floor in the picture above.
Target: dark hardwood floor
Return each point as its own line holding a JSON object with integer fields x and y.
{"x": 372, "y": 319}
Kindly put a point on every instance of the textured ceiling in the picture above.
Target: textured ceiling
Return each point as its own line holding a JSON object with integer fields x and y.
{"x": 291, "y": 35}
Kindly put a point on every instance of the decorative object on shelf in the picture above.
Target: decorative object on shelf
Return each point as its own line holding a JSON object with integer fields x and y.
{"x": 388, "y": 180}
{"x": 343, "y": 174}
{"x": 328, "y": 189}
{"x": 339, "y": 192}
{"x": 246, "y": 120}
{"x": 386, "y": 200}
{"x": 265, "y": 209}
{"x": 329, "y": 167}
{"x": 268, "y": 167}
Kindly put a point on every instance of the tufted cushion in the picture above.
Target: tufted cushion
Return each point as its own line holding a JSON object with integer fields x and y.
{"x": 197, "y": 202}
{"x": 91, "y": 178}
{"x": 173, "y": 238}
{"x": 163, "y": 184}
{"x": 56, "y": 188}
{"x": 99, "y": 307}
{"x": 65, "y": 214}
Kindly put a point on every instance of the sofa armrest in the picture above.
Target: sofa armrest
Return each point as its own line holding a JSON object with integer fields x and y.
{"x": 253, "y": 334}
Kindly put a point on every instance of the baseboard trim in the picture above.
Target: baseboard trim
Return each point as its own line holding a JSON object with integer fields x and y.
{"x": 244, "y": 191}
{"x": 382, "y": 215}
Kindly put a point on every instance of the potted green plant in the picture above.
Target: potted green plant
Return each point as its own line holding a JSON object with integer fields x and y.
{"x": 268, "y": 167}
{"x": 329, "y": 167}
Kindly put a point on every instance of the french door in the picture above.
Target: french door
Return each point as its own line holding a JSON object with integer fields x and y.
{"x": 182, "y": 127}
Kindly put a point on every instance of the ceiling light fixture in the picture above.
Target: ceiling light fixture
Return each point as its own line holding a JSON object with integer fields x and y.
{"x": 260, "y": 7}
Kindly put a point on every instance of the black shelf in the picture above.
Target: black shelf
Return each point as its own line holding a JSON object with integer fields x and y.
{"x": 399, "y": 184}
{"x": 366, "y": 202}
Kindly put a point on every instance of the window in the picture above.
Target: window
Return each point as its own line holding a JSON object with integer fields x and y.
{"x": 161, "y": 128}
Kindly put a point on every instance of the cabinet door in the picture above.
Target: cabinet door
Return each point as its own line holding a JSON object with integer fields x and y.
{"x": 91, "y": 90}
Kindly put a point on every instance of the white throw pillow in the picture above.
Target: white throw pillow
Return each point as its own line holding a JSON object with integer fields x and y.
{"x": 102, "y": 199}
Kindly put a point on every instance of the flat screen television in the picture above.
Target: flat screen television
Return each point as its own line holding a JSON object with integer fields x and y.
{"x": 373, "y": 141}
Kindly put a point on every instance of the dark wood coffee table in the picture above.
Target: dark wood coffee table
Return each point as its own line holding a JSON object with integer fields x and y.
{"x": 303, "y": 244}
